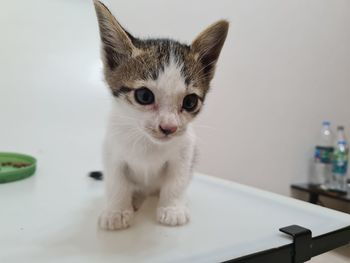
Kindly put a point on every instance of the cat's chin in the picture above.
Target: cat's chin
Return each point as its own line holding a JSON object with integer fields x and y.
{"x": 160, "y": 140}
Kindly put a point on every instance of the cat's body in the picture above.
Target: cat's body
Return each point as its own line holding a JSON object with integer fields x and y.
{"x": 159, "y": 87}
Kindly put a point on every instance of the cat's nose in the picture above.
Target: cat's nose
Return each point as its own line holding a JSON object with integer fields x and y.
{"x": 168, "y": 129}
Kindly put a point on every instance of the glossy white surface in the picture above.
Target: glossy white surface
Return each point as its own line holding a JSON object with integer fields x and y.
{"x": 53, "y": 105}
{"x": 52, "y": 218}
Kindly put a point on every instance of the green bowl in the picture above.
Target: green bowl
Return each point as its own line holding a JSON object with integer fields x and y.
{"x": 9, "y": 173}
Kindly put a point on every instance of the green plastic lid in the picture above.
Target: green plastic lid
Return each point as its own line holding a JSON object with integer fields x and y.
{"x": 16, "y": 166}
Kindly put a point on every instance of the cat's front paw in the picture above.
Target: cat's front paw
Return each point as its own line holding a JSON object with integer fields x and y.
{"x": 114, "y": 220}
{"x": 173, "y": 215}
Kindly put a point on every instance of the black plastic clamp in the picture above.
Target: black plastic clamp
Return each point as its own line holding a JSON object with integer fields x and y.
{"x": 302, "y": 242}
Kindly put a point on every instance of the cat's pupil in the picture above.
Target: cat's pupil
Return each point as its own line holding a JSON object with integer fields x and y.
{"x": 190, "y": 102}
{"x": 144, "y": 96}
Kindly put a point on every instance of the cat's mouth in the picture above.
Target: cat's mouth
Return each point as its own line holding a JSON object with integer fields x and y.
{"x": 158, "y": 137}
{"x": 162, "y": 138}
{"x": 165, "y": 138}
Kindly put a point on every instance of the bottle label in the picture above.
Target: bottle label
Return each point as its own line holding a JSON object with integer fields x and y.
{"x": 323, "y": 154}
{"x": 340, "y": 162}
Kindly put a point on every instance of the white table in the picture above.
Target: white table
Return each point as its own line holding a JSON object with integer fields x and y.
{"x": 51, "y": 217}
{"x": 53, "y": 105}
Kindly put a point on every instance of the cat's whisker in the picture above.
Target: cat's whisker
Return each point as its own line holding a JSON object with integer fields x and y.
{"x": 200, "y": 140}
{"x": 126, "y": 117}
{"x": 136, "y": 141}
{"x": 142, "y": 139}
{"x": 205, "y": 126}
{"x": 127, "y": 135}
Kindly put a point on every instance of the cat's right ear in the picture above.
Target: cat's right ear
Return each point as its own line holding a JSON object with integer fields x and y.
{"x": 207, "y": 46}
{"x": 116, "y": 41}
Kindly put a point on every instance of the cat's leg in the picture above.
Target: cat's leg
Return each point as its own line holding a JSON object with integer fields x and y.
{"x": 118, "y": 212}
{"x": 172, "y": 208}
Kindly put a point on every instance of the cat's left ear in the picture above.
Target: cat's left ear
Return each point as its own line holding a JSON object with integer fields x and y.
{"x": 208, "y": 44}
{"x": 117, "y": 43}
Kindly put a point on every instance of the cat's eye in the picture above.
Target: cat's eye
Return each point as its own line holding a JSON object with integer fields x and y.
{"x": 190, "y": 102}
{"x": 144, "y": 96}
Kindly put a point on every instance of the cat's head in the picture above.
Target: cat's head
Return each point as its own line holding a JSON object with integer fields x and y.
{"x": 159, "y": 84}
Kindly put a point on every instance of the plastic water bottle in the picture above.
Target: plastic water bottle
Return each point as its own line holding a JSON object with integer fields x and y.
{"x": 322, "y": 172}
{"x": 340, "y": 162}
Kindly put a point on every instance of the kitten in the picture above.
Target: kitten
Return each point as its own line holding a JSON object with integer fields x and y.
{"x": 159, "y": 86}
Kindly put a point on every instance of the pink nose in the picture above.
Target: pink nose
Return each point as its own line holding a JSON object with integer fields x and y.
{"x": 168, "y": 129}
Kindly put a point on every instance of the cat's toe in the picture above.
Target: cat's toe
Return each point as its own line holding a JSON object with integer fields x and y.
{"x": 114, "y": 220}
{"x": 173, "y": 216}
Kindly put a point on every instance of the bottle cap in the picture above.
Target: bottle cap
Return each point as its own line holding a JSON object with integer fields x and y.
{"x": 342, "y": 142}
{"x": 326, "y": 123}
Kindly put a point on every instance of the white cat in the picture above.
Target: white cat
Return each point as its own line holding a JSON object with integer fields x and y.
{"x": 159, "y": 86}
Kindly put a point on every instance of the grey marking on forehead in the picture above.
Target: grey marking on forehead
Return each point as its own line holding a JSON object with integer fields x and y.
{"x": 164, "y": 49}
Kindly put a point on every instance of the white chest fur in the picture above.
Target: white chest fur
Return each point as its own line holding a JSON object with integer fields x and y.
{"x": 147, "y": 162}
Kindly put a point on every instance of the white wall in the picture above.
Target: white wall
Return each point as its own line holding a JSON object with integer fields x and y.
{"x": 285, "y": 68}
